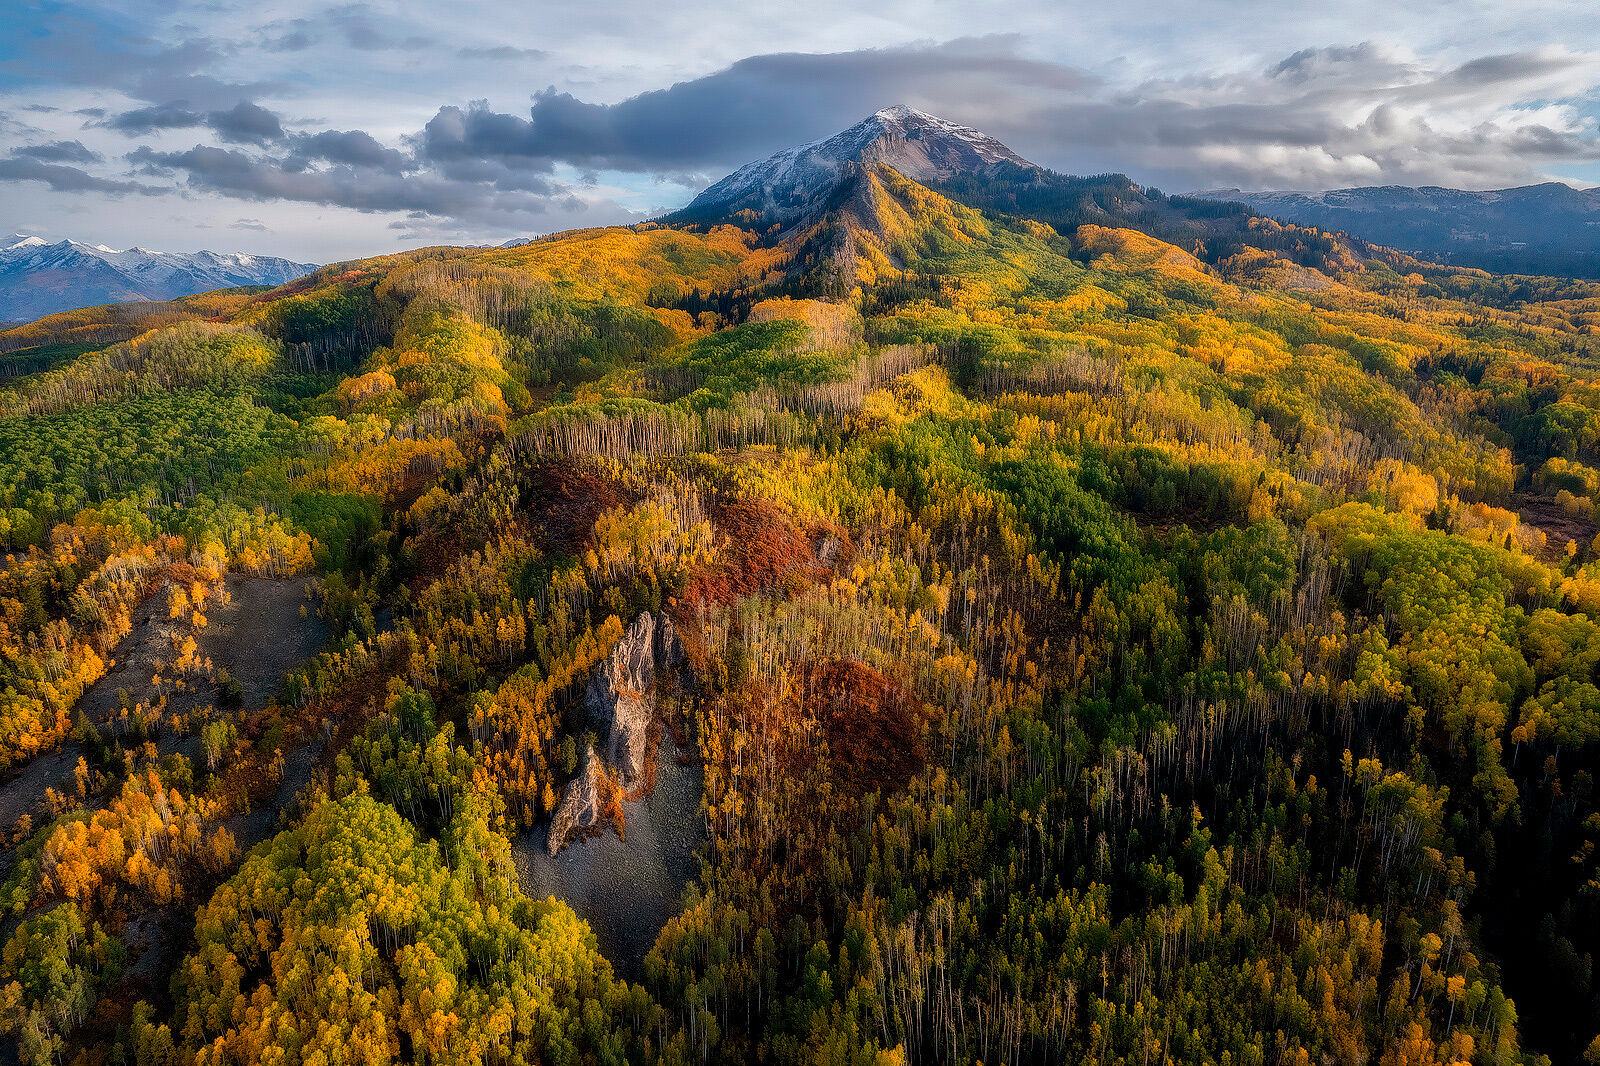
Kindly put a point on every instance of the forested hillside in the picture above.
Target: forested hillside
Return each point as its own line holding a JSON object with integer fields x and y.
{"x": 1092, "y": 649}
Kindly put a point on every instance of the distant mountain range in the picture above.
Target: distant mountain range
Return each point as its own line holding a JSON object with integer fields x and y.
{"x": 1537, "y": 229}
{"x": 39, "y": 278}
{"x": 1541, "y": 229}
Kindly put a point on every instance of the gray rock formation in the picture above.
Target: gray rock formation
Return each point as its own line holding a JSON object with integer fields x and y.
{"x": 621, "y": 700}
{"x": 669, "y": 647}
{"x": 579, "y": 811}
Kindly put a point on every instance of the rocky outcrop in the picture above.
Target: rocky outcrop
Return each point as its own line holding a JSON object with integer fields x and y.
{"x": 621, "y": 700}
{"x": 581, "y": 804}
{"x": 621, "y": 695}
{"x": 621, "y": 703}
{"x": 670, "y": 654}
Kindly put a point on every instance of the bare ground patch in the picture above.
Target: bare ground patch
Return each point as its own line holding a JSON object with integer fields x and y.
{"x": 627, "y": 889}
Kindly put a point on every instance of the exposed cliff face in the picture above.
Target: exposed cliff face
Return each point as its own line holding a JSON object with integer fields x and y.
{"x": 621, "y": 701}
{"x": 581, "y": 804}
{"x": 670, "y": 654}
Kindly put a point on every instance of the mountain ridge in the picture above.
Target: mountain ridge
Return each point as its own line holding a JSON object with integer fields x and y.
{"x": 40, "y": 277}
{"x": 1221, "y": 619}
{"x": 1546, "y": 228}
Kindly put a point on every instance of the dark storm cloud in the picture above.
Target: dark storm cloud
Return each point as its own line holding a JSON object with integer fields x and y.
{"x": 60, "y": 152}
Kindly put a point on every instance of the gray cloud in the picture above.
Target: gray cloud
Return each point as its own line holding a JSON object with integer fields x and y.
{"x": 67, "y": 179}
{"x": 503, "y": 53}
{"x": 60, "y": 152}
{"x": 485, "y": 193}
{"x": 1335, "y": 116}
{"x": 354, "y": 148}
{"x": 1355, "y": 114}
{"x": 1511, "y": 67}
{"x": 357, "y": 26}
{"x": 146, "y": 120}
{"x": 243, "y": 123}
{"x": 757, "y": 105}
{"x": 246, "y": 123}
{"x": 70, "y": 45}
{"x": 1318, "y": 117}
{"x": 296, "y": 39}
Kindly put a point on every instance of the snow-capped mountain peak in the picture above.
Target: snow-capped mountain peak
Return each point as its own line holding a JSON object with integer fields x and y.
{"x": 38, "y": 277}
{"x": 793, "y": 182}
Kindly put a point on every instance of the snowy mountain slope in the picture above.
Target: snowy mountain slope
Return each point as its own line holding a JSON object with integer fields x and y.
{"x": 797, "y": 181}
{"x": 39, "y": 278}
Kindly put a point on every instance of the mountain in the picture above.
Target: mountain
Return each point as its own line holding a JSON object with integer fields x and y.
{"x": 1549, "y": 229}
{"x": 797, "y": 182}
{"x": 828, "y": 193}
{"x": 39, "y": 278}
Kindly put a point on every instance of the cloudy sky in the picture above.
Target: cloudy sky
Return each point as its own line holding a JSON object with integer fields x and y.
{"x": 322, "y": 132}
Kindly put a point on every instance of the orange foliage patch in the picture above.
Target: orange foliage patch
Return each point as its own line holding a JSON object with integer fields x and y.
{"x": 565, "y": 499}
{"x": 872, "y": 723}
{"x": 759, "y": 548}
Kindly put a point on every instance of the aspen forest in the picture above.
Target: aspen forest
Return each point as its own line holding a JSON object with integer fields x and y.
{"x": 1037, "y": 621}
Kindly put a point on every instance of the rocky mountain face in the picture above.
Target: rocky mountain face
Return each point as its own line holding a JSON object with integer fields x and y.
{"x": 38, "y": 278}
{"x": 797, "y": 183}
{"x": 1537, "y": 229}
